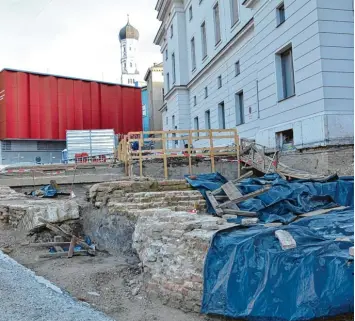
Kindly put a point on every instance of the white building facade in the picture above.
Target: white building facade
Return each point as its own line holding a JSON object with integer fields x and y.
{"x": 278, "y": 71}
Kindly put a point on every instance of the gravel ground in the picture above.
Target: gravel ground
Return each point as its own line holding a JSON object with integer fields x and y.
{"x": 27, "y": 297}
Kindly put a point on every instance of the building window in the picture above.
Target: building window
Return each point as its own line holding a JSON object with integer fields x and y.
{"x": 207, "y": 119}
{"x": 130, "y": 48}
{"x": 167, "y": 81}
{"x": 219, "y": 81}
{"x": 285, "y": 74}
{"x": 204, "y": 40}
{"x": 237, "y": 68}
{"x": 206, "y": 92}
{"x": 221, "y": 116}
{"x": 130, "y": 64}
{"x": 280, "y": 14}
{"x": 124, "y": 49}
{"x": 195, "y": 101}
{"x": 6, "y": 145}
{"x": 239, "y": 108}
{"x": 196, "y": 125}
{"x": 284, "y": 139}
{"x": 217, "y": 24}
{"x": 166, "y": 54}
{"x": 234, "y": 12}
{"x": 173, "y": 66}
{"x": 171, "y": 31}
{"x": 190, "y": 12}
{"x": 166, "y": 120}
{"x": 193, "y": 54}
{"x": 173, "y": 121}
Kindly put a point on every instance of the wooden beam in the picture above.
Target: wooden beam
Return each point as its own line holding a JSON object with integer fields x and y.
{"x": 71, "y": 247}
{"x": 322, "y": 211}
{"x": 214, "y": 203}
{"x": 62, "y": 254}
{"x": 239, "y": 212}
{"x": 245, "y": 197}
{"x": 49, "y": 244}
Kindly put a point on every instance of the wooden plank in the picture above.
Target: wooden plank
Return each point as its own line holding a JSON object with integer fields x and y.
{"x": 236, "y": 142}
{"x": 49, "y": 244}
{"x": 164, "y": 157}
{"x": 234, "y": 181}
{"x": 214, "y": 203}
{"x": 55, "y": 228}
{"x": 211, "y": 152}
{"x": 246, "y": 175}
{"x": 189, "y": 151}
{"x": 245, "y": 197}
{"x": 231, "y": 191}
{"x": 140, "y": 146}
{"x": 239, "y": 212}
{"x": 62, "y": 254}
{"x": 71, "y": 247}
{"x": 322, "y": 211}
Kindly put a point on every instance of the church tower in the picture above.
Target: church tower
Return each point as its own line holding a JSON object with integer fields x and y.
{"x": 129, "y": 37}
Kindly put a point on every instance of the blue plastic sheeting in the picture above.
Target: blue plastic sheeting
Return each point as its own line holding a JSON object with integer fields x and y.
{"x": 207, "y": 182}
{"x": 335, "y": 224}
{"x": 285, "y": 199}
{"x": 48, "y": 191}
{"x": 248, "y": 275}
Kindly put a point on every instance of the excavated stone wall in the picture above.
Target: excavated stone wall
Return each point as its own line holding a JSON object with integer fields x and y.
{"x": 172, "y": 247}
{"x": 153, "y": 218}
{"x": 23, "y": 212}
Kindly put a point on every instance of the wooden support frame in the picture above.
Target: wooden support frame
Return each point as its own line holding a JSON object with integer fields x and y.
{"x": 207, "y": 138}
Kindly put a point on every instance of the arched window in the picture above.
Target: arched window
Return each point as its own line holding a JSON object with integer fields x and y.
{"x": 130, "y": 64}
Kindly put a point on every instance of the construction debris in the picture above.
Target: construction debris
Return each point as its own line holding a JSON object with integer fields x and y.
{"x": 286, "y": 240}
{"x": 75, "y": 247}
{"x": 252, "y": 155}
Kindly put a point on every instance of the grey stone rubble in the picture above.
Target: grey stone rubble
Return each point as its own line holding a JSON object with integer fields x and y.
{"x": 27, "y": 297}
{"x": 23, "y": 212}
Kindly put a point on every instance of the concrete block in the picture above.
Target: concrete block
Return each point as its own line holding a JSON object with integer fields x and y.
{"x": 286, "y": 240}
{"x": 250, "y": 221}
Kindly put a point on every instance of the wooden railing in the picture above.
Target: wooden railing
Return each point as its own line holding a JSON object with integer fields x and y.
{"x": 162, "y": 145}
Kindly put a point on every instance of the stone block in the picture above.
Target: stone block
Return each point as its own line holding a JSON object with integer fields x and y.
{"x": 286, "y": 240}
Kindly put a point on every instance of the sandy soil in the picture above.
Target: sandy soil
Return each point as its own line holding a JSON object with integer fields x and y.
{"x": 109, "y": 279}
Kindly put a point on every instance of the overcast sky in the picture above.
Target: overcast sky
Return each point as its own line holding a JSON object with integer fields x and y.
{"x": 76, "y": 38}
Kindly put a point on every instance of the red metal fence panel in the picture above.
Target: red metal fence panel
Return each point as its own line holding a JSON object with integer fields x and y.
{"x": 37, "y": 106}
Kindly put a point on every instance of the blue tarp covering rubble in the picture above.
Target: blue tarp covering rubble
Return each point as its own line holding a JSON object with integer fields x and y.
{"x": 248, "y": 275}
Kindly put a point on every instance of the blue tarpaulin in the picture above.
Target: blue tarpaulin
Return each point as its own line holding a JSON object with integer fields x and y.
{"x": 285, "y": 199}
{"x": 47, "y": 191}
{"x": 248, "y": 275}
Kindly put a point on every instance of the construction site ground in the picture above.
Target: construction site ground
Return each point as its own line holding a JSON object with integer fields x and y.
{"x": 111, "y": 280}
{"x": 109, "y": 283}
